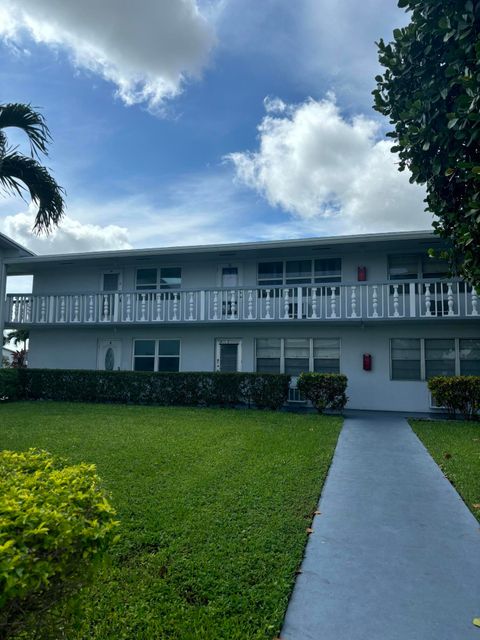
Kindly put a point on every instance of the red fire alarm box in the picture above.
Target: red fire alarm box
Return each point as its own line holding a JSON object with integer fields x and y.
{"x": 367, "y": 362}
{"x": 361, "y": 274}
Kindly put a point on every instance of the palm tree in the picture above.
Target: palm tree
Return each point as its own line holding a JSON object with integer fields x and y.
{"x": 20, "y": 173}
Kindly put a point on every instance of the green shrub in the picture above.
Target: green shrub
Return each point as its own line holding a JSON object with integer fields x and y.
{"x": 10, "y": 388}
{"x": 168, "y": 389}
{"x": 324, "y": 390}
{"x": 457, "y": 394}
{"x": 55, "y": 521}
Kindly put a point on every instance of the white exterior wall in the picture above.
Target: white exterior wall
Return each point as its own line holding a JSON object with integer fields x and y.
{"x": 203, "y": 273}
{"x": 77, "y": 349}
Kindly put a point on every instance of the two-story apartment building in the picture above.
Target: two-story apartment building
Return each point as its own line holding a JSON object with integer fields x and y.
{"x": 374, "y": 307}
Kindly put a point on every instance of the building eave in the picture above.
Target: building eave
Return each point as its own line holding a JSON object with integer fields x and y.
{"x": 19, "y": 265}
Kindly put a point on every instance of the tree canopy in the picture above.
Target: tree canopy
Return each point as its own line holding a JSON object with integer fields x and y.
{"x": 20, "y": 173}
{"x": 430, "y": 90}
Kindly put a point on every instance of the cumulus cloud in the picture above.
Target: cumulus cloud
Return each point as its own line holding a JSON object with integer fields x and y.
{"x": 71, "y": 237}
{"x": 314, "y": 163}
{"x": 146, "y": 48}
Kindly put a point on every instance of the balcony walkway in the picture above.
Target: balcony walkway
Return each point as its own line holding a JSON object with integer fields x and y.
{"x": 395, "y": 553}
{"x": 352, "y": 302}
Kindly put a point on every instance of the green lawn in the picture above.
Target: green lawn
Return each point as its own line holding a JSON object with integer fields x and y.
{"x": 214, "y": 506}
{"x": 455, "y": 446}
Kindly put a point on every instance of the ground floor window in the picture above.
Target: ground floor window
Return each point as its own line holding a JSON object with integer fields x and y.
{"x": 423, "y": 358}
{"x": 156, "y": 355}
{"x": 295, "y": 355}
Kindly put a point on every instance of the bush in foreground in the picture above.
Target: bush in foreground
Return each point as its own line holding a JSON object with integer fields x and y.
{"x": 55, "y": 525}
{"x": 10, "y": 388}
{"x": 458, "y": 394}
{"x": 167, "y": 389}
{"x": 324, "y": 390}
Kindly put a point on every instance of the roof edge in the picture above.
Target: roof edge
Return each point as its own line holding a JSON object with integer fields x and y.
{"x": 237, "y": 246}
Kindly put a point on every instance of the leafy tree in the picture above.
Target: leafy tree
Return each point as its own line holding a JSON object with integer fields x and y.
{"x": 20, "y": 173}
{"x": 16, "y": 336}
{"x": 430, "y": 90}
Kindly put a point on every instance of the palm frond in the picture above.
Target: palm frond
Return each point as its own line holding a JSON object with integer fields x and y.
{"x": 19, "y": 173}
{"x": 29, "y": 120}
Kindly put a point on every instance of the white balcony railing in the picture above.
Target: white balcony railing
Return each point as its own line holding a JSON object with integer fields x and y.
{"x": 393, "y": 300}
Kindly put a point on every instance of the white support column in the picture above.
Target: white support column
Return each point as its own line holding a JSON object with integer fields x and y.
{"x": 412, "y": 298}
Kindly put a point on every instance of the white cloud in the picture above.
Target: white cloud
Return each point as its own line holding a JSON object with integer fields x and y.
{"x": 147, "y": 48}
{"x": 316, "y": 164}
{"x": 71, "y": 237}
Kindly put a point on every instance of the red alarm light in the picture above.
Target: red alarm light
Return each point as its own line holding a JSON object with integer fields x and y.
{"x": 367, "y": 362}
{"x": 361, "y": 274}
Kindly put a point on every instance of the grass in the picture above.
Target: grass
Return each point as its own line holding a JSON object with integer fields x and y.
{"x": 455, "y": 446}
{"x": 214, "y": 506}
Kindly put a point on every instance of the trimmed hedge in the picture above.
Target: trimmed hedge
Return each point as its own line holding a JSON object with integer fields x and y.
{"x": 167, "y": 389}
{"x": 324, "y": 390}
{"x": 457, "y": 394}
{"x": 10, "y": 387}
{"x": 54, "y": 521}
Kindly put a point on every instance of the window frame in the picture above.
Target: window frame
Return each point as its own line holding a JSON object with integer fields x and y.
{"x": 420, "y": 259}
{"x": 158, "y": 271}
{"x": 157, "y": 355}
{"x": 311, "y": 359}
{"x": 423, "y": 358}
{"x": 292, "y": 283}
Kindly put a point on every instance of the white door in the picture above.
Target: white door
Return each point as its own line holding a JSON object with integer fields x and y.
{"x": 229, "y": 277}
{"x": 111, "y": 281}
{"x": 109, "y": 353}
{"x": 228, "y": 358}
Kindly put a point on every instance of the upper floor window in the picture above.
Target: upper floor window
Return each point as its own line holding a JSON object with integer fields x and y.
{"x": 163, "y": 278}
{"x": 328, "y": 270}
{"x": 270, "y": 273}
{"x": 298, "y": 272}
{"x": 414, "y": 266}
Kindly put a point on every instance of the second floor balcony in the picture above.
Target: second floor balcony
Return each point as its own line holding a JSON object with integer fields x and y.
{"x": 428, "y": 299}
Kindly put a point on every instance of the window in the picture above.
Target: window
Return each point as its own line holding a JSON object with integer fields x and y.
{"x": 412, "y": 266}
{"x": 146, "y": 279}
{"x": 439, "y": 357}
{"x": 469, "y": 357}
{"x": 293, "y": 272}
{"x": 270, "y": 273}
{"x": 298, "y": 272}
{"x": 144, "y": 355}
{"x": 403, "y": 267}
{"x": 156, "y": 355}
{"x": 423, "y": 358}
{"x": 295, "y": 355}
{"x": 328, "y": 270}
{"x": 170, "y": 278}
{"x": 268, "y": 355}
{"x": 326, "y": 355}
{"x": 406, "y": 358}
{"x": 434, "y": 268}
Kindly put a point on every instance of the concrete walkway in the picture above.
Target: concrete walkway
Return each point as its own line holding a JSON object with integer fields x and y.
{"x": 395, "y": 553}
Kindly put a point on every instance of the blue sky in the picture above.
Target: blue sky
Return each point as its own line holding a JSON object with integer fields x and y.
{"x": 196, "y": 122}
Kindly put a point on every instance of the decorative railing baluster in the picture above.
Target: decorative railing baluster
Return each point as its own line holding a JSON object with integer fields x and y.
{"x": 267, "y": 305}
{"x": 474, "y": 302}
{"x": 354, "y": 302}
{"x": 333, "y": 302}
{"x": 286, "y": 303}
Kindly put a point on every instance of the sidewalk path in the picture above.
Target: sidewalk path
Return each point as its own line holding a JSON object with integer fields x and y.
{"x": 395, "y": 553}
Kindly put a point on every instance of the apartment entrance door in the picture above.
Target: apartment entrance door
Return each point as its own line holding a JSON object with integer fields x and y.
{"x": 228, "y": 358}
